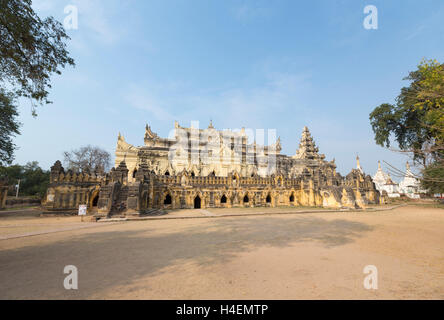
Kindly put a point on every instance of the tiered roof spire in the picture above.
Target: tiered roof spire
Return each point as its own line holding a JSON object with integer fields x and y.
{"x": 307, "y": 147}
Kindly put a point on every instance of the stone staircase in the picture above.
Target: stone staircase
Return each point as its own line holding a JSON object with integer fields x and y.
{"x": 120, "y": 204}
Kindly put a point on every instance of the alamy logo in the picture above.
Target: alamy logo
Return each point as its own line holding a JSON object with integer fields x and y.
{"x": 71, "y": 281}
{"x": 371, "y": 280}
{"x": 371, "y": 20}
{"x": 71, "y": 21}
{"x": 223, "y": 147}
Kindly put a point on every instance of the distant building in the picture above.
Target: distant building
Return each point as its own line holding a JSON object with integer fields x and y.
{"x": 384, "y": 182}
{"x": 410, "y": 185}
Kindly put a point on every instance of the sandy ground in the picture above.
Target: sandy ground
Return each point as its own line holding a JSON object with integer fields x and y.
{"x": 319, "y": 255}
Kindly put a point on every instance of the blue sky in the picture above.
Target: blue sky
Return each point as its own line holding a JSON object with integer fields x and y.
{"x": 254, "y": 64}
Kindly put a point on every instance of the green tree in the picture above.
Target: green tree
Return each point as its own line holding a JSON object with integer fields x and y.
{"x": 12, "y": 173}
{"x": 31, "y": 50}
{"x": 33, "y": 180}
{"x": 9, "y": 126}
{"x": 434, "y": 178}
{"x": 416, "y": 120}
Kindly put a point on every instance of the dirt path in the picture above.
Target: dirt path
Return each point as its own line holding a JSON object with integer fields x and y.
{"x": 307, "y": 256}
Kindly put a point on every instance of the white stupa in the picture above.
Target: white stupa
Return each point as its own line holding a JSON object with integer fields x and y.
{"x": 384, "y": 182}
{"x": 410, "y": 185}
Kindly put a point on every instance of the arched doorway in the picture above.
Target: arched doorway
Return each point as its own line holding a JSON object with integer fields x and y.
{"x": 292, "y": 198}
{"x": 223, "y": 199}
{"x": 268, "y": 199}
{"x": 197, "y": 204}
{"x": 246, "y": 199}
{"x": 167, "y": 200}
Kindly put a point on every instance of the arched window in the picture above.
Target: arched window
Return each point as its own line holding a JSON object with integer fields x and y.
{"x": 246, "y": 199}
{"x": 268, "y": 200}
{"x": 168, "y": 199}
{"x": 167, "y": 173}
{"x": 223, "y": 199}
{"x": 134, "y": 173}
{"x": 192, "y": 174}
{"x": 292, "y": 198}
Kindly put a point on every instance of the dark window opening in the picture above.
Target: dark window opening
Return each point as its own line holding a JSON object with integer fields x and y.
{"x": 192, "y": 174}
{"x": 223, "y": 199}
{"x": 246, "y": 199}
{"x": 292, "y": 198}
{"x": 268, "y": 199}
{"x": 134, "y": 173}
{"x": 167, "y": 173}
{"x": 168, "y": 199}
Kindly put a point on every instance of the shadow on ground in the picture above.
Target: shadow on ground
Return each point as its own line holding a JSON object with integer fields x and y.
{"x": 106, "y": 259}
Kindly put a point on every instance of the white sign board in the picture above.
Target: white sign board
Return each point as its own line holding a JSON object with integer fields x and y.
{"x": 82, "y": 210}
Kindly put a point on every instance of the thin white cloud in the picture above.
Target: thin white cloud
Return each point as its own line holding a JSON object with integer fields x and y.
{"x": 246, "y": 12}
{"x": 141, "y": 98}
{"x": 43, "y": 5}
{"x": 432, "y": 21}
{"x": 99, "y": 18}
{"x": 281, "y": 92}
{"x": 415, "y": 33}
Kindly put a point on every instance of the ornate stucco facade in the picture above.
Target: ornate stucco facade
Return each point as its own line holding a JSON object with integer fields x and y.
{"x": 206, "y": 168}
